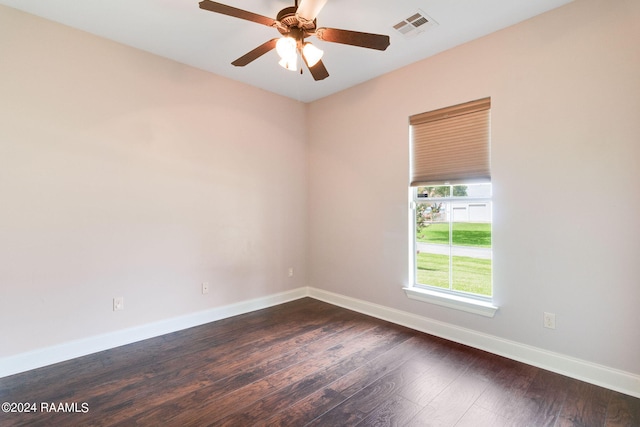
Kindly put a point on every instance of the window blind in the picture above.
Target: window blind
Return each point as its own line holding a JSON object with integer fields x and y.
{"x": 451, "y": 144}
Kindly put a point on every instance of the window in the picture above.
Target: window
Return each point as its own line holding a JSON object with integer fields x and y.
{"x": 451, "y": 207}
{"x": 452, "y": 237}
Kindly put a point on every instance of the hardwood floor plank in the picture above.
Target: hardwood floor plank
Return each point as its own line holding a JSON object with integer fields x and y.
{"x": 322, "y": 401}
{"x": 305, "y": 410}
{"x": 477, "y": 416}
{"x": 359, "y": 405}
{"x": 505, "y": 393}
{"x": 420, "y": 349}
{"x": 123, "y": 382}
{"x": 441, "y": 373}
{"x": 586, "y": 405}
{"x": 450, "y": 406}
{"x": 154, "y": 352}
{"x": 395, "y": 411}
{"x": 543, "y": 400}
{"x": 308, "y": 363}
{"x": 623, "y": 411}
{"x": 225, "y": 400}
{"x": 293, "y": 389}
{"x": 270, "y": 366}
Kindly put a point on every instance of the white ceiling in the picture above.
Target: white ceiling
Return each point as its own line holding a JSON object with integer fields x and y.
{"x": 180, "y": 30}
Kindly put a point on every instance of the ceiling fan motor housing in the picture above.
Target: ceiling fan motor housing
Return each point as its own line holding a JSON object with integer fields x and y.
{"x": 287, "y": 17}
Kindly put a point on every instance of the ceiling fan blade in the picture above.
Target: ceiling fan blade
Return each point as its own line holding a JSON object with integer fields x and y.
{"x": 309, "y": 9}
{"x": 353, "y": 38}
{"x": 255, "y": 53}
{"x": 318, "y": 71}
{"x": 236, "y": 13}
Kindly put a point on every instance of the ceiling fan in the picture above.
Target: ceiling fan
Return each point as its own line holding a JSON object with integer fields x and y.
{"x": 296, "y": 23}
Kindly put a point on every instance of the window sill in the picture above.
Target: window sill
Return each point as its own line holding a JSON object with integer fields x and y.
{"x": 469, "y": 305}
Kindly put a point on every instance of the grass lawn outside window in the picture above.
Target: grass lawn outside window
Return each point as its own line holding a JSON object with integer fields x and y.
{"x": 471, "y": 275}
{"x": 464, "y": 234}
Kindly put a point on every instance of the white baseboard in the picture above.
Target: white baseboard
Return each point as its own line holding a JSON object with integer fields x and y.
{"x": 58, "y": 353}
{"x": 603, "y": 376}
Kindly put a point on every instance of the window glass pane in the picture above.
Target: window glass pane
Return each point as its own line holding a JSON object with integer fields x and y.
{"x": 471, "y": 274}
{"x": 471, "y": 248}
{"x": 432, "y": 223}
{"x": 474, "y": 234}
{"x": 432, "y": 244}
{"x": 432, "y": 269}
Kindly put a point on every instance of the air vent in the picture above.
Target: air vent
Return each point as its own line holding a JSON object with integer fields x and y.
{"x": 416, "y": 24}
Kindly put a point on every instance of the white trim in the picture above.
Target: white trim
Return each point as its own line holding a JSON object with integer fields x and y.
{"x": 470, "y": 305}
{"x": 604, "y": 376}
{"x": 65, "y": 351}
{"x": 624, "y": 382}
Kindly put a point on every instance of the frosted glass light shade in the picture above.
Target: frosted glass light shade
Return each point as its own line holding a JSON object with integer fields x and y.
{"x": 312, "y": 54}
{"x": 286, "y": 48}
{"x": 289, "y": 64}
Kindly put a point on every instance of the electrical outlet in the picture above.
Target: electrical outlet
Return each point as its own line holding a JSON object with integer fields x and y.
{"x": 118, "y": 303}
{"x": 290, "y": 272}
{"x": 549, "y": 320}
{"x": 205, "y": 288}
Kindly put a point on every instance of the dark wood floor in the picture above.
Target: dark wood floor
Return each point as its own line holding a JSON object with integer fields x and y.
{"x": 307, "y": 363}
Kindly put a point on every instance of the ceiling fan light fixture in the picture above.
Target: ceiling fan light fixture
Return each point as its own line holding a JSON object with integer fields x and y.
{"x": 311, "y": 54}
{"x": 286, "y": 48}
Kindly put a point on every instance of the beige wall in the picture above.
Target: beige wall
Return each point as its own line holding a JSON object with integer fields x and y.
{"x": 565, "y": 90}
{"x": 125, "y": 174}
